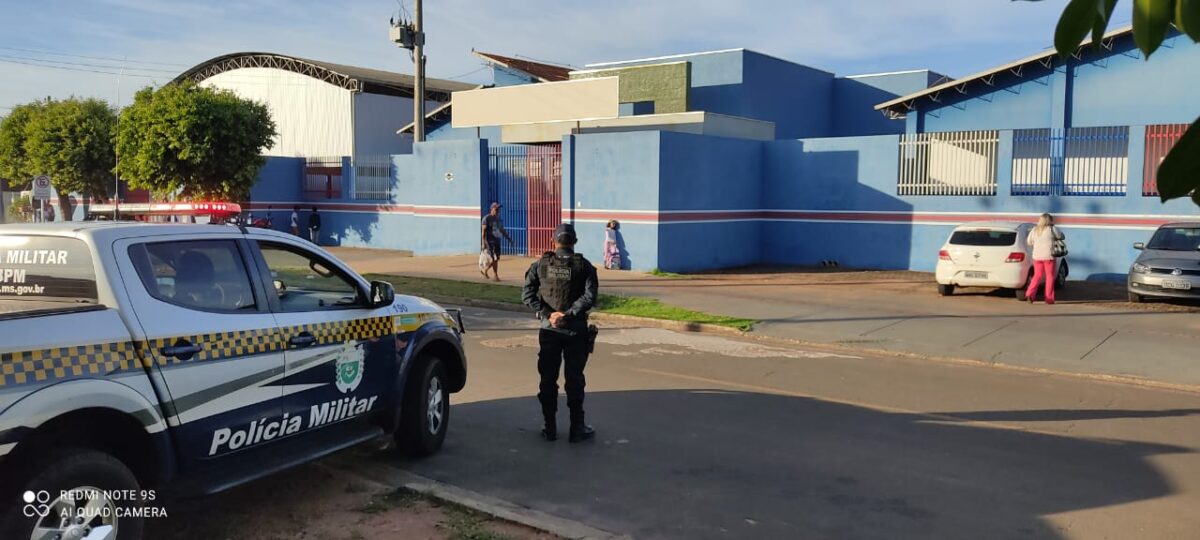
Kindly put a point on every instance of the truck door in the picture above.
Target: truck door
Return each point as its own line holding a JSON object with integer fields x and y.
{"x": 341, "y": 357}
{"x": 214, "y": 343}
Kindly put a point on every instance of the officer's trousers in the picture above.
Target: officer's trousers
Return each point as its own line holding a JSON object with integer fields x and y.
{"x": 557, "y": 349}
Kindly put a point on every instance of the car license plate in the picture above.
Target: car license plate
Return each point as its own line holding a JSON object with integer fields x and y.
{"x": 1178, "y": 284}
{"x": 975, "y": 275}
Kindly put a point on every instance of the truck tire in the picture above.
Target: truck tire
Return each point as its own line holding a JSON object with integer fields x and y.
{"x": 945, "y": 290}
{"x": 425, "y": 415}
{"x": 87, "y": 473}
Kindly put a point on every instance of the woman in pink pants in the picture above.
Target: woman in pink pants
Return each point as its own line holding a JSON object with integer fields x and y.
{"x": 1042, "y": 238}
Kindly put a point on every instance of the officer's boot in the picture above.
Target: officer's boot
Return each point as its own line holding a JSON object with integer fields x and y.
{"x": 550, "y": 427}
{"x": 580, "y": 431}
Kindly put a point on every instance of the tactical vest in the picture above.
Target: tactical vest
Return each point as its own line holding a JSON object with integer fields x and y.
{"x": 562, "y": 280}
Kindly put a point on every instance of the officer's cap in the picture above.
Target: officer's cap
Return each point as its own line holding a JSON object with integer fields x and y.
{"x": 565, "y": 234}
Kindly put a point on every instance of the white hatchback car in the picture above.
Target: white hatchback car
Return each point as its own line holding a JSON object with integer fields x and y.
{"x": 990, "y": 254}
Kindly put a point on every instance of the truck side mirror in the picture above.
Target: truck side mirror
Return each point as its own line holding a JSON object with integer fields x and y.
{"x": 1139, "y": 245}
{"x": 382, "y": 294}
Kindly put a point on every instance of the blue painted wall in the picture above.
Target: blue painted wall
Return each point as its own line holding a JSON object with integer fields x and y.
{"x": 854, "y": 100}
{"x": 604, "y": 171}
{"x": 700, "y": 173}
{"x": 1111, "y": 88}
{"x": 502, "y": 76}
{"x": 446, "y": 217}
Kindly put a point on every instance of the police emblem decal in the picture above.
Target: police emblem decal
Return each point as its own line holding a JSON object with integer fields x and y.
{"x": 349, "y": 368}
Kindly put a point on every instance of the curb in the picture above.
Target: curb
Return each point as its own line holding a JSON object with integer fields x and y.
{"x": 613, "y": 318}
{"x": 391, "y": 478}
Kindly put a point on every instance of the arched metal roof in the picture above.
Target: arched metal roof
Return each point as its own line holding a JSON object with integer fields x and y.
{"x": 358, "y": 79}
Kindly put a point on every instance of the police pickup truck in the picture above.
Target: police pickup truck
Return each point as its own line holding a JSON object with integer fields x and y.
{"x": 195, "y": 357}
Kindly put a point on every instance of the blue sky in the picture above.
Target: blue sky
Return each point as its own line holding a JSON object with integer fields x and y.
{"x": 156, "y": 39}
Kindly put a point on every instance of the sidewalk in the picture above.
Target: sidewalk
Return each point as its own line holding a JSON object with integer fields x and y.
{"x": 1090, "y": 330}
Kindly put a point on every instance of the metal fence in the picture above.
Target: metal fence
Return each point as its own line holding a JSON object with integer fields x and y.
{"x": 948, "y": 163}
{"x": 527, "y": 181}
{"x": 1159, "y": 141}
{"x": 322, "y": 178}
{"x": 372, "y": 177}
{"x": 1091, "y": 161}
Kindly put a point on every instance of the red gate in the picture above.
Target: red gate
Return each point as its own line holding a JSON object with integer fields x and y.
{"x": 1159, "y": 141}
{"x": 543, "y": 169}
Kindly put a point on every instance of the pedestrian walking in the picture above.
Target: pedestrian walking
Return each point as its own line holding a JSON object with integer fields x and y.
{"x": 561, "y": 287}
{"x": 1048, "y": 243}
{"x": 491, "y": 230}
{"x": 296, "y": 220}
{"x": 612, "y": 252}
{"x": 314, "y": 227}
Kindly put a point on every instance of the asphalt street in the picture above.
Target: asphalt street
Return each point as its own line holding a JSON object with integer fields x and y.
{"x": 702, "y": 436}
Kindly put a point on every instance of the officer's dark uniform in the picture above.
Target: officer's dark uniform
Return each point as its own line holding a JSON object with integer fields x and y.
{"x": 562, "y": 281}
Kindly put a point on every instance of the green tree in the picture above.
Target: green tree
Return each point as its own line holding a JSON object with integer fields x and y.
{"x": 12, "y": 142}
{"x": 69, "y": 140}
{"x": 195, "y": 141}
{"x": 1179, "y": 173}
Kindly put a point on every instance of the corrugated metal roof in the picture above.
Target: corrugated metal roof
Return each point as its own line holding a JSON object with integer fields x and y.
{"x": 543, "y": 71}
{"x": 903, "y": 104}
{"x": 373, "y": 81}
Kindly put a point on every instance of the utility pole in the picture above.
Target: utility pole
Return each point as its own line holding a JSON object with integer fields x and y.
{"x": 411, "y": 35}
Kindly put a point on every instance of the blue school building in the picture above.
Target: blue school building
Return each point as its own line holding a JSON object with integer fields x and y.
{"x": 733, "y": 158}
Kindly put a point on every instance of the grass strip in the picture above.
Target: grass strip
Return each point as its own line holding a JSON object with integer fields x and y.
{"x": 607, "y": 303}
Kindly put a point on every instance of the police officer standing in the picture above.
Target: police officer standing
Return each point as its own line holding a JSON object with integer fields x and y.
{"x": 561, "y": 287}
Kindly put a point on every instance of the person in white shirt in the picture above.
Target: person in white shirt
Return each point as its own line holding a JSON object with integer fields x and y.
{"x": 1042, "y": 238}
{"x": 296, "y": 220}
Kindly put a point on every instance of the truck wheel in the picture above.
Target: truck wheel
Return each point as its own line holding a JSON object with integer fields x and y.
{"x": 90, "y": 486}
{"x": 426, "y": 411}
{"x": 945, "y": 290}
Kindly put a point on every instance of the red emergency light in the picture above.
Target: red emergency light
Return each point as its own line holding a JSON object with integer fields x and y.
{"x": 221, "y": 209}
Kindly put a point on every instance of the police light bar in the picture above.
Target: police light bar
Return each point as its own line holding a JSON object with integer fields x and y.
{"x": 171, "y": 209}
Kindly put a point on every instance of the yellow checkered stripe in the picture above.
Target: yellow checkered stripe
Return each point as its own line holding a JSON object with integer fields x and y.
{"x": 340, "y": 331}
{"x": 26, "y": 367}
{"x": 220, "y": 345}
{"x": 45, "y": 365}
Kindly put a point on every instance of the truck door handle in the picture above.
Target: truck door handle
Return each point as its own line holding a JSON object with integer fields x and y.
{"x": 302, "y": 340}
{"x": 182, "y": 350}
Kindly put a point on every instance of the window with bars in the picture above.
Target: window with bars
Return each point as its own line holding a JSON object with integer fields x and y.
{"x": 1160, "y": 139}
{"x": 948, "y": 163}
{"x": 1086, "y": 161}
{"x": 322, "y": 178}
{"x": 372, "y": 178}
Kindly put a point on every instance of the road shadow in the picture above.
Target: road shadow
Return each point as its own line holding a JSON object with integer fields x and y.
{"x": 716, "y": 464}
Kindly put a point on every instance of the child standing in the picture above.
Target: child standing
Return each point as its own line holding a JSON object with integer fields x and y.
{"x": 612, "y": 255}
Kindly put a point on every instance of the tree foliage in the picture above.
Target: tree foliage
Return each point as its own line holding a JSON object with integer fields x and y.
{"x": 12, "y": 142}
{"x": 1179, "y": 173}
{"x": 69, "y": 140}
{"x": 195, "y": 141}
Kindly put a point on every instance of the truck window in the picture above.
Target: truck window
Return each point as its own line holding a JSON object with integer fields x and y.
{"x": 206, "y": 275}
{"x": 44, "y": 272}
{"x": 306, "y": 282}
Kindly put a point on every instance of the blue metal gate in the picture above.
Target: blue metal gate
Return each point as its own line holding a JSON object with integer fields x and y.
{"x": 527, "y": 181}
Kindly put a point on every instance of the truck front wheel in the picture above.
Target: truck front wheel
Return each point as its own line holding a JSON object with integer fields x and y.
{"x": 77, "y": 493}
{"x": 425, "y": 415}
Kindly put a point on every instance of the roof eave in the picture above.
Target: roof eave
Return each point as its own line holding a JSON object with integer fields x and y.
{"x": 909, "y": 101}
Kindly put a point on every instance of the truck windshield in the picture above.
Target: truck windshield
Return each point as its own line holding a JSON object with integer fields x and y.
{"x": 36, "y": 271}
{"x": 983, "y": 237}
{"x": 1176, "y": 239}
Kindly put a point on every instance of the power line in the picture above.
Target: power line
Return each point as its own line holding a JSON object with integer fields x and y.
{"x": 111, "y": 59}
{"x": 469, "y": 73}
{"x": 65, "y": 68}
{"x": 96, "y": 66}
